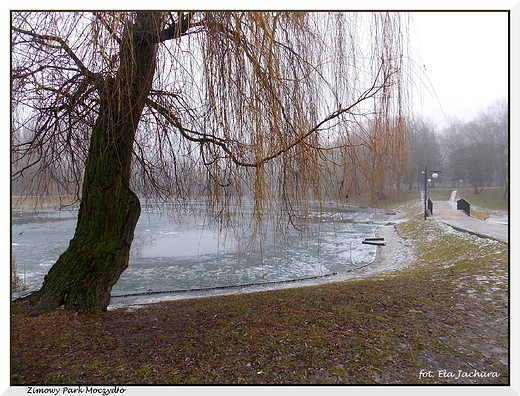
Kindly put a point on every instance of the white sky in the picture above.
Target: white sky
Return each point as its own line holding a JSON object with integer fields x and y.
{"x": 464, "y": 61}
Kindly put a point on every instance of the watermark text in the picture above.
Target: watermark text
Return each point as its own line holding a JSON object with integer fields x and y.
{"x": 69, "y": 390}
{"x": 458, "y": 374}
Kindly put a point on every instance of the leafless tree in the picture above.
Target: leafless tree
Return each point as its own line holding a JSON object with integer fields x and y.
{"x": 494, "y": 122}
{"x": 110, "y": 102}
{"x": 478, "y": 150}
{"x": 424, "y": 148}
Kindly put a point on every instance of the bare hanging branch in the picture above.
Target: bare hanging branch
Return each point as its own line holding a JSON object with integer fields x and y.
{"x": 204, "y": 138}
{"x": 44, "y": 39}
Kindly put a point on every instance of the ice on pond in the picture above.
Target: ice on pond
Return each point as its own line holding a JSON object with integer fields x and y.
{"x": 179, "y": 256}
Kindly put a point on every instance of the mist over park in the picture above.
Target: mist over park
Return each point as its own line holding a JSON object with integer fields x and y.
{"x": 273, "y": 168}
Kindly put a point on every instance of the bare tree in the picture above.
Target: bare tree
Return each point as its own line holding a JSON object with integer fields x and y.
{"x": 494, "y": 127}
{"x": 150, "y": 101}
{"x": 424, "y": 147}
{"x": 478, "y": 150}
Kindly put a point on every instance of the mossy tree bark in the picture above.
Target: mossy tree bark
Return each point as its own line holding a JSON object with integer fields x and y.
{"x": 82, "y": 278}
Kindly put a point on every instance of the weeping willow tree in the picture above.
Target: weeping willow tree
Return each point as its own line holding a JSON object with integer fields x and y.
{"x": 370, "y": 161}
{"x": 117, "y": 107}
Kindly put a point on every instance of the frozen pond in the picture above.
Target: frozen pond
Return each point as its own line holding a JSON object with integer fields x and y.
{"x": 178, "y": 258}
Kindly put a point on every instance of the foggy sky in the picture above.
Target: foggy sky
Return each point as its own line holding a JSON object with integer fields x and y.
{"x": 464, "y": 62}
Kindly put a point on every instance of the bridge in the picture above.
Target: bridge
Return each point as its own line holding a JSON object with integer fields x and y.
{"x": 445, "y": 211}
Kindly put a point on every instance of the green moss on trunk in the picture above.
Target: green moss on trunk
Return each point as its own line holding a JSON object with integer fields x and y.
{"x": 83, "y": 277}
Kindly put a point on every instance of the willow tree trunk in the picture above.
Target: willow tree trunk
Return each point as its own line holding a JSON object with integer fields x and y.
{"x": 82, "y": 278}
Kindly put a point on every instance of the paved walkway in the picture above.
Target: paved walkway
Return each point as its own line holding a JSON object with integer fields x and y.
{"x": 446, "y": 212}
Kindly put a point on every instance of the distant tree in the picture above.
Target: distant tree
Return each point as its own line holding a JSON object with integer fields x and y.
{"x": 478, "y": 150}
{"x": 494, "y": 127}
{"x": 449, "y": 138}
{"x": 424, "y": 147}
{"x": 160, "y": 102}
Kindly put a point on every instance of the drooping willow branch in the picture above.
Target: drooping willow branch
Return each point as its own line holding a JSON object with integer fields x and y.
{"x": 204, "y": 138}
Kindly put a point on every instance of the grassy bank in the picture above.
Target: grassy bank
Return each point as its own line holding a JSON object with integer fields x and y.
{"x": 448, "y": 311}
{"x": 391, "y": 199}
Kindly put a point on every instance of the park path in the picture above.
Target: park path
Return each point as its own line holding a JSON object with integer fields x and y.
{"x": 446, "y": 212}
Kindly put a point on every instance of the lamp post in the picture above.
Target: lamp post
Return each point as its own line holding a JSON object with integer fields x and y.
{"x": 435, "y": 175}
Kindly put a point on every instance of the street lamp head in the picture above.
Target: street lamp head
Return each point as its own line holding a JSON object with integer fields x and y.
{"x": 435, "y": 175}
